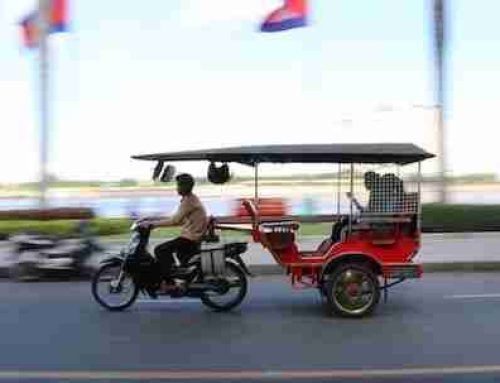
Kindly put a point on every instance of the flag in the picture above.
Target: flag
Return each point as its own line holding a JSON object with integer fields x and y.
{"x": 57, "y": 22}
{"x": 293, "y": 14}
{"x": 30, "y": 30}
{"x": 58, "y": 16}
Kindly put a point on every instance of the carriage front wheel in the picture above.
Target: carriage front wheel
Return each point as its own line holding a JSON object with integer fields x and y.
{"x": 352, "y": 290}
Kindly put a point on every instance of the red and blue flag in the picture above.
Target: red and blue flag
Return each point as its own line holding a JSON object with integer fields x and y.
{"x": 293, "y": 14}
{"x": 58, "y": 16}
{"x": 29, "y": 29}
{"x": 58, "y": 22}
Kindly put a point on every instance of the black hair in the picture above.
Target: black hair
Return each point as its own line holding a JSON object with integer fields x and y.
{"x": 186, "y": 181}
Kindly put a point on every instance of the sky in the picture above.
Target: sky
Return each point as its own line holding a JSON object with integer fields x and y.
{"x": 136, "y": 77}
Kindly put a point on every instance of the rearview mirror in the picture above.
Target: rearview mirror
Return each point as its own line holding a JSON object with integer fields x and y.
{"x": 157, "y": 170}
{"x": 168, "y": 173}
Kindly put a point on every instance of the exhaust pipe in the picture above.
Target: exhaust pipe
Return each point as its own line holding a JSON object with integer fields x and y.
{"x": 201, "y": 287}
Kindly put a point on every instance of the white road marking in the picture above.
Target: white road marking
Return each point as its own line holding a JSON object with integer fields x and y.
{"x": 472, "y": 296}
{"x": 261, "y": 375}
{"x": 167, "y": 301}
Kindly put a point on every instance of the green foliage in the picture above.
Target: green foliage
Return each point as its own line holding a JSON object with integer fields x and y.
{"x": 68, "y": 228}
{"x": 435, "y": 217}
{"x": 316, "y": 229}
{"x": 98, "y": 226}
{"x": 108, "y": 226}
{"x": 127, "y": 182}
{"x": 460, "y": 217}
{"x": 60, "y": 227}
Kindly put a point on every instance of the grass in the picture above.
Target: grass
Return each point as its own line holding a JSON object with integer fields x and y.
{"x": 306, "y": 229}
{"x": 446, "y": 218}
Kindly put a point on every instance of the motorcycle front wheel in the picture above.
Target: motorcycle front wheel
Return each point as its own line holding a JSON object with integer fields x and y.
{"x": 232, "y": 289}
{"x": 113, "y": 289}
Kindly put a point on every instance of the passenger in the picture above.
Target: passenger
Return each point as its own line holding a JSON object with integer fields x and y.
{"x": 372, "y": 184}
{"x": 392, "y": 191}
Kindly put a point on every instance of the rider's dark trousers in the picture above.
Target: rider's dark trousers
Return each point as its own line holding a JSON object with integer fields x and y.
{"x": 182, "y": 247}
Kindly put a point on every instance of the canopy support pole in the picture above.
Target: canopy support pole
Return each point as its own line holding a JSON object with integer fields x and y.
{"x": 256, "y": 191}
{"x": 352, "y": 194}
{"x": 419, "y": 196}
{"x": 339, "y": 171}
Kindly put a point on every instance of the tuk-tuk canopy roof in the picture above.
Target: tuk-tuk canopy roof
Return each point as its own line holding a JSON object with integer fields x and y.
{"x": 311, "y": 153}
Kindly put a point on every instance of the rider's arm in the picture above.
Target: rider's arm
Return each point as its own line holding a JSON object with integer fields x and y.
{"x": 176, "y": 219}
{"x": 355, "y": 201}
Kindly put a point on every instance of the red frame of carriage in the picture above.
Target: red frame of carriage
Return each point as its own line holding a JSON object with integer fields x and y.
{"x": 389, "y": 251}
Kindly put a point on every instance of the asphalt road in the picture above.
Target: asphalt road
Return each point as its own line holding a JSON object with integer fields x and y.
{"x": 442, "y": 328}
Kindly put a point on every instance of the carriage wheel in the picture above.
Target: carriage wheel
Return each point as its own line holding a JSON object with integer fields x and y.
{"x": 353, "y": 290}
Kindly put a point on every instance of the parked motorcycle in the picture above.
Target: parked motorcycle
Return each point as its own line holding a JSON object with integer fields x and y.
{"x": 38, "y": 256}
{"x": 216, "y": 275}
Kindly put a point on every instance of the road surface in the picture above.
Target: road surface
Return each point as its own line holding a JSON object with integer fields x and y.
{"x": 444, "y": 327}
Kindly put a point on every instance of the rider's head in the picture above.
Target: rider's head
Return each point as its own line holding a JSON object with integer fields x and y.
{"x": 371, "y": 178}
{"x": 185, "y": 184}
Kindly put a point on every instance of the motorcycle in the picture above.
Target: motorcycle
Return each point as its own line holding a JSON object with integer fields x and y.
{"x": 217, "y": 275}
{"x": 38, "y": 256}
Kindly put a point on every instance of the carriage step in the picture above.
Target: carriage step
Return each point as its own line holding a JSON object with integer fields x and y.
{"x": 411, "y": 270}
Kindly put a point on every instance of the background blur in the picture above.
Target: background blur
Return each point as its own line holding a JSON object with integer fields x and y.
{"x": 129, "y": 77}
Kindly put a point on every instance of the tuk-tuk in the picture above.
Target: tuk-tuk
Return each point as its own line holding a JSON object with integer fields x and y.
{"x": 376, "y": 229}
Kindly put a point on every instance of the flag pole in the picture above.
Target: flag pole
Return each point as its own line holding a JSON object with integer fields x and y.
{"x": 43, "y": 20}
{"x": 439, "y": 10}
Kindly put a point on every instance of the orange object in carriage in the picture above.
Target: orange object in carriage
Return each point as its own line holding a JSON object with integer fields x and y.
{"x": 267, "y": 207}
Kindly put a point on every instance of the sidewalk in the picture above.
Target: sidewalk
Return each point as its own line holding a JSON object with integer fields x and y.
{"x": 440, "y": 252}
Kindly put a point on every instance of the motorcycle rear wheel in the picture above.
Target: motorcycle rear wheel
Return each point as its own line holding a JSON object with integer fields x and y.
{"x": 216, "y": 301}
{"x": 102, "y": 283}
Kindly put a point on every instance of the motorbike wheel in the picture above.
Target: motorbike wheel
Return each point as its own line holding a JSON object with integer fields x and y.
{"x": 353, "y": 290}
{"x": 227, "y": 299}
{"x": 113, "y": 298}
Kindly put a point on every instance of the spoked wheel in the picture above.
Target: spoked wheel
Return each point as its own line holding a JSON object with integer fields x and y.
{"x": 229, "y": 291}
{"x": 353, "y": 290}
{"x": 113, "y": 289}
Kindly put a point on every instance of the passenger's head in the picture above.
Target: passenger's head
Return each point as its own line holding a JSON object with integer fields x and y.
{"x": 392, "y": 182}
{"x": 185, "y": 184}
{"x": 371, "y": 179}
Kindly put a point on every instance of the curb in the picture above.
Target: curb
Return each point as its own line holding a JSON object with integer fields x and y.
{"x": 4, "y": 272}
{"x": 428, "y": 267}
{"x": 264, "y": 270}
{"x": 461, "y": 266}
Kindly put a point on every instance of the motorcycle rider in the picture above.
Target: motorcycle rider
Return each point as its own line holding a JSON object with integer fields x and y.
{"x": 192, "y": 217}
